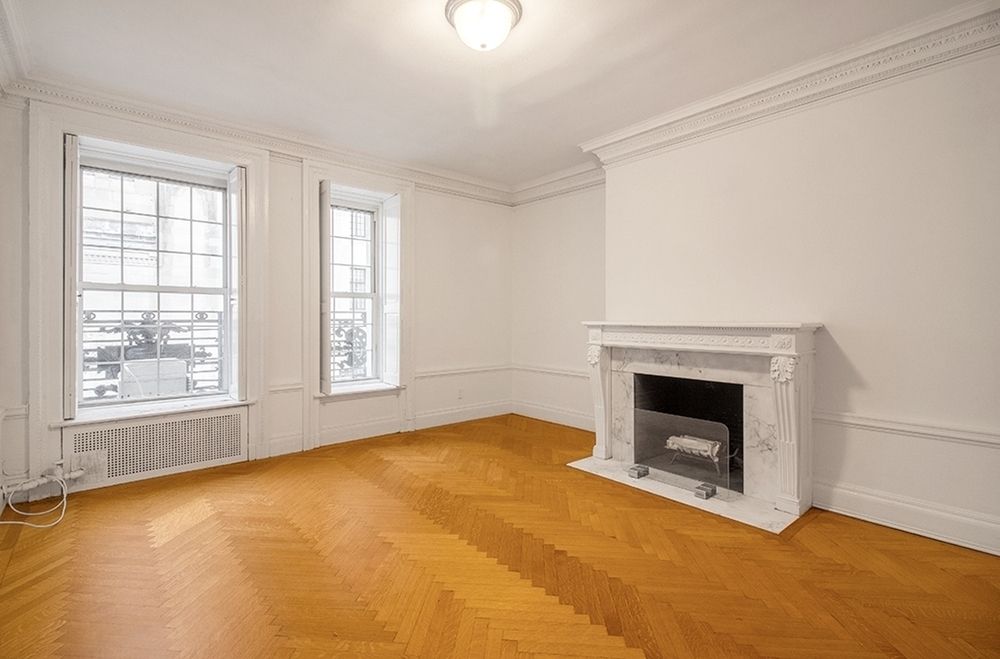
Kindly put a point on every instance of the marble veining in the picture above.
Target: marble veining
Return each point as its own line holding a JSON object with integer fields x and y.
{"x": 760, "y": 443}
{"x": 772, "y": 362}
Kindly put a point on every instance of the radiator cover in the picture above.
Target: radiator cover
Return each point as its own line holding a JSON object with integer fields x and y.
{"x": 128, "y": 450}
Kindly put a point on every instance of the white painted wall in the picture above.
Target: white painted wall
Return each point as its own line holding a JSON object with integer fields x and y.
{"x": 462, "y": 309}
{"x": 460, "y": 312}
{"x": 13, "y": 286}
{"x": 877, "y": 214}
{"x": 557, "y": 282}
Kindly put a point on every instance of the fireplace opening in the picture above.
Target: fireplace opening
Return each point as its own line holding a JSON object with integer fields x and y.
{"x": 689, "y": 431}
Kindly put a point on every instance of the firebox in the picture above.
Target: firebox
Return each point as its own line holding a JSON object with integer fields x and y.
{"x": 689, "y": 432}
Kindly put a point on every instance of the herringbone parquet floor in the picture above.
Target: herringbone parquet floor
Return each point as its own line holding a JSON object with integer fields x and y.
{"x": 472, "y": 540}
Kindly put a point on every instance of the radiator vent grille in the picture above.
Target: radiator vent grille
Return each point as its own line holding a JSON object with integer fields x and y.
{"x": 163, "y": 445}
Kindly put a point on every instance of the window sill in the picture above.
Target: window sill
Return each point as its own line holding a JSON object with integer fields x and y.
{"x": 127, "y": 411}
{"x": 347, "y": 392}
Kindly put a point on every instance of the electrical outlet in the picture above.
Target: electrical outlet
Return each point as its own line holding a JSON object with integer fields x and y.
{"x": 460, "y": 394}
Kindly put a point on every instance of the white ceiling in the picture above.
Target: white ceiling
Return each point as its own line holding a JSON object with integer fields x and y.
{"x": 391, "y": 79}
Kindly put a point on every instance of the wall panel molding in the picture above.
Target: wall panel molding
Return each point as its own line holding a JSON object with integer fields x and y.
{"x": 550, "y": 370}
{"x": 17, "y": 412}
{"x": 285, "y": 388}
{"x": 448, "y": 372}
{"x": 984, "y": 438}
{"x": 968, "y": 30}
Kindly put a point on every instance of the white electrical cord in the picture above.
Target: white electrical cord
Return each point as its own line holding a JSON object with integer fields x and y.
{"x": 8, "y": 502}
{"x": 7, "y": 494}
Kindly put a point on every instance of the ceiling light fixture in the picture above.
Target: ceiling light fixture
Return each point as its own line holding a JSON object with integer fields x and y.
{"x": 483, "y": 24}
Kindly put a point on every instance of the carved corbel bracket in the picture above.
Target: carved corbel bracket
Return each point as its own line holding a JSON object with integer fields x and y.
{"x": 783, "y": 368}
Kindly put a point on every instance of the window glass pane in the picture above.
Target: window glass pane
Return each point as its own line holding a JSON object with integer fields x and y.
{"x": 101, "y": 228}
{"x": 342, "y": 278}
{"x": 360, "y": 224}
{"x": 175, "y": 302}
{"x": 102, "y": 265}
{"x": 175, "y": 269}
{"x": 139, "y": 302}
{"x": 139, "y": 195}
{"x": 101, "y": 189}
{"x": 207, "y": 271}
{"x": 142, "y": 344}
{"x": 175, "y": 235}
{"x": 208, "y": 302}
{"x": 206, "y": 204}
{"x": 140, "y": 267}
{"x": 206, "y": 238}
{"x": 361, "y": 280}
{"x": 362, "y": 252}
{"x": 342, "y": 251}
{"x": 101, "y": 343}
{"x": 352, "y": 339}
{"x": 175, "y": 200}
{"x": 341, "y": 222}
{"x": 139, "y": 231}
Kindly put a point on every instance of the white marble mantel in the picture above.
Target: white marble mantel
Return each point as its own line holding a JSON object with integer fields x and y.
{"x": 789, "y": 347}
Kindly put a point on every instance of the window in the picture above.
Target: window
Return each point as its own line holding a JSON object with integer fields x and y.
{"x": 360, "y": 288}
{"x": 153, "y": 273}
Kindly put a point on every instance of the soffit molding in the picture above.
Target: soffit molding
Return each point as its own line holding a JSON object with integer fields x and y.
{"x": 968, "y": 30}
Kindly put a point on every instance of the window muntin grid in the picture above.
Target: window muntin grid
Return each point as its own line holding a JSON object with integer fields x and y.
{"x": 155, "y": 289}
{"x": 353, "y": 298}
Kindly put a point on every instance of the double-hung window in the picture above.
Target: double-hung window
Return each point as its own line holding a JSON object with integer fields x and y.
{"x": 153, "y": 270}
{"x": 359, "y": 291}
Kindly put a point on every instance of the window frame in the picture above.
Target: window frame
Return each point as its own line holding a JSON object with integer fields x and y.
{"x": 234, "y": 223}
{"x": 332, "y": 196}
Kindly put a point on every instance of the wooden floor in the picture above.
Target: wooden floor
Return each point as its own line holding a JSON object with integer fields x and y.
{"x": 470, "y": 540}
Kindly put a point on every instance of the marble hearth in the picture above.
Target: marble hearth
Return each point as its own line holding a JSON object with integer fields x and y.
{"x": 773, "y": 363}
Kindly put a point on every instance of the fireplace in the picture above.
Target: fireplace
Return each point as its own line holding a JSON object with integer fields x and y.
{"x": 729, "y": 405}
{"x": 688, "y": 431}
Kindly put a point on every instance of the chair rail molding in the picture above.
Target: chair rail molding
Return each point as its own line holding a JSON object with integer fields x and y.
{"x": 984, "y": 438}
{"x": 967, "y": 30}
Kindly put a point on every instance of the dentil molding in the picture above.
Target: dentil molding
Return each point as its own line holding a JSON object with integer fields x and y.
{"x": 909, "y": 54}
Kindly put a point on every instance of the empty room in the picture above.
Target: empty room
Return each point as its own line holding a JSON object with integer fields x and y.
{"x": 500, "y": 328}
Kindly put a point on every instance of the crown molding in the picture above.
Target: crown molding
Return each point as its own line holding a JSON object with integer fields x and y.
{"x": 296, "y": 147}
{"x": 14, "y": 102}
{"x": 562, "y": 182}
{"x": 970, "y": 29}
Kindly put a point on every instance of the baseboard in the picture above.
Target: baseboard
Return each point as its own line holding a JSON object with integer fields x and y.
{"x": 445, "y": 416}
{"x": 560, "y": 415}
{"x": 284, "y": 444}
{"x": 967, "y": 528}
{"x": 350, "y": 432}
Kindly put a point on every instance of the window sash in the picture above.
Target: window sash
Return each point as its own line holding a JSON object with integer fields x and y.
{"x": 230, "y": 373}
{"x": 329, "y": 296}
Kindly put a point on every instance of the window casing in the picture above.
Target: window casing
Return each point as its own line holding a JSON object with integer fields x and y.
{"x": 359, "y": 292}
{"x": 154, "y": 270}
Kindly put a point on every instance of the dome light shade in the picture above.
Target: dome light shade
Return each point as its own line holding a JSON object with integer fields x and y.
{"x": 483, "y": 24}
